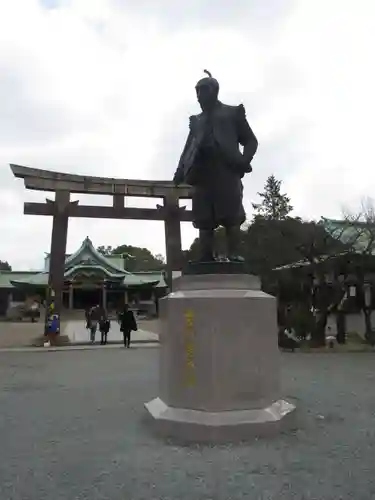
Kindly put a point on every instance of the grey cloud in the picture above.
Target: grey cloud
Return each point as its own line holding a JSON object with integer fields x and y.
{"x": 8, "y": 182}
{"x": 285, "y": 148}
{"x": 280, "y": 79}
{"x": 79, "y": 158}
{"x": 258, "y": 16}
{"x": 281, "y": 155}
{"x": 25, "y": 117}
{"x": 174, "y": 131}
{"x": 50, "y": 4}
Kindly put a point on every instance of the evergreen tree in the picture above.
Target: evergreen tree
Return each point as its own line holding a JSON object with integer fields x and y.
{"x": 137, "y": 259}
{"x": 105, "y": 250}
{"x": 274, "y": 204}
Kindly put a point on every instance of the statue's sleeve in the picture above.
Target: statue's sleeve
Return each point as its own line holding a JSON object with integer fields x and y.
{"x": 179, "y": 174}
{"x": 246, "y": 136}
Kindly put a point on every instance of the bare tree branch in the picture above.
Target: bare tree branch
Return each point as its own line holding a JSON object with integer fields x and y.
{"x": 362, "y": 226}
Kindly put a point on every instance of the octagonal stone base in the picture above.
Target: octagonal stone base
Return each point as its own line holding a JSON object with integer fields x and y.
{"x": 219, "y": 367}
{"x": 221, "y": 427}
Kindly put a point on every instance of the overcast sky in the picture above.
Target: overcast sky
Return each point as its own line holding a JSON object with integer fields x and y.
{"x": 105, "y": 87}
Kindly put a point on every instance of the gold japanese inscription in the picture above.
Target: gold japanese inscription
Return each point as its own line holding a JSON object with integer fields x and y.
{"x": 189, "y": 349}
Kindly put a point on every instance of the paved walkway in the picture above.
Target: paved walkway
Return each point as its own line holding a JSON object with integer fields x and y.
{"x": 79, "y": 347}
{"x": 77, "y": 333}
{"x": 23, "y": 334}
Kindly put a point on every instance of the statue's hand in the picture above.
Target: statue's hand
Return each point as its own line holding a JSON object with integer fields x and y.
{"x": 248, "y": 168}
{"x": 245, "y": 165}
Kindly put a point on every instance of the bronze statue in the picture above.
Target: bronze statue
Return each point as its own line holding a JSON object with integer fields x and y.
{"x": 213, "y": 165}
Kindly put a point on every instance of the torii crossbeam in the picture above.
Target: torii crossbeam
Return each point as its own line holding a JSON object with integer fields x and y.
{"x": 63, "y": 184}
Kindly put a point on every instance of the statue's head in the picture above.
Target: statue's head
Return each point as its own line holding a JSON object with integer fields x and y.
{"x": 207, "y": 91}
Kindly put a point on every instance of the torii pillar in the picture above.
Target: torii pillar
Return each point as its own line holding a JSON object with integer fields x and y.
{"x": 60, "y": 220}
{"x": 172, "y": 215}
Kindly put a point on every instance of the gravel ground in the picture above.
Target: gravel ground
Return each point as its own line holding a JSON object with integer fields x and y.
{"x": 71, "y": 428}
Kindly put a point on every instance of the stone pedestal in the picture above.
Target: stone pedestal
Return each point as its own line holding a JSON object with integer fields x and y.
{"x": 219, "y": 361}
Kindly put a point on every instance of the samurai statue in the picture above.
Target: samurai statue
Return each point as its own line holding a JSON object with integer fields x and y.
{"x": 214, "y": 166}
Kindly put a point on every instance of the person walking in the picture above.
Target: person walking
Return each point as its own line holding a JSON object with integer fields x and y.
{"x": 87, "y": 317}
{"x": 127, "y": 324}
{"x": 93, "y": 322}
{"x": 104, "y": 327}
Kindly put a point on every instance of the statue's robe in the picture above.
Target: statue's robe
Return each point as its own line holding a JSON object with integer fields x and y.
{"x": 213, "y": 165}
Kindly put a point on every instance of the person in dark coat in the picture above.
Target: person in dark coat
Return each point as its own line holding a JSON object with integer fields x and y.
{"x": 214, "y": 166}
{"x": 104, "y": 327}
{"x": 127, "y": 324}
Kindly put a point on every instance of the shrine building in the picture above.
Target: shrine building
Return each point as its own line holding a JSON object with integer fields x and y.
{"x": 90, "y": 278}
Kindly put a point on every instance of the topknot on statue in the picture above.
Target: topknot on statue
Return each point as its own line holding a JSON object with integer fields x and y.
{"x": 208, "y": 81}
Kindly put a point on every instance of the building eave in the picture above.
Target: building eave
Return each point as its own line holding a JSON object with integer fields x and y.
{"x": 137, "y": 283}
{"x": 87, "y": 267}
{"x": 322, "y": 260}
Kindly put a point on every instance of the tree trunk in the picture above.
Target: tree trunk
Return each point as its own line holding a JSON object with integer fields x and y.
{"x": 341, "y": 327}
{"x": 318, "y": 336}
{"x": 368, "y": 326}
{"x": 366, "y": 308}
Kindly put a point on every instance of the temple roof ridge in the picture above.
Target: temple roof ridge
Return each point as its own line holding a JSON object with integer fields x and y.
{"x": 88, "y": 246}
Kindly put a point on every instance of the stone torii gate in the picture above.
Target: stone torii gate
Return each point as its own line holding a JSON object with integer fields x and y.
{"x": 62, "y": 208}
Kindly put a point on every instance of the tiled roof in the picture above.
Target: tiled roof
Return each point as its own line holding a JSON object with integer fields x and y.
{"x": 7, "y": 276}
{"x": 357, "y": 233}
{"x": 41, "y": 279}
{"x": 38, "y": 279}
{"x": 152, "y": 277}
{"x": 304, "y": 263}
{"x": 117, "y": 260}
